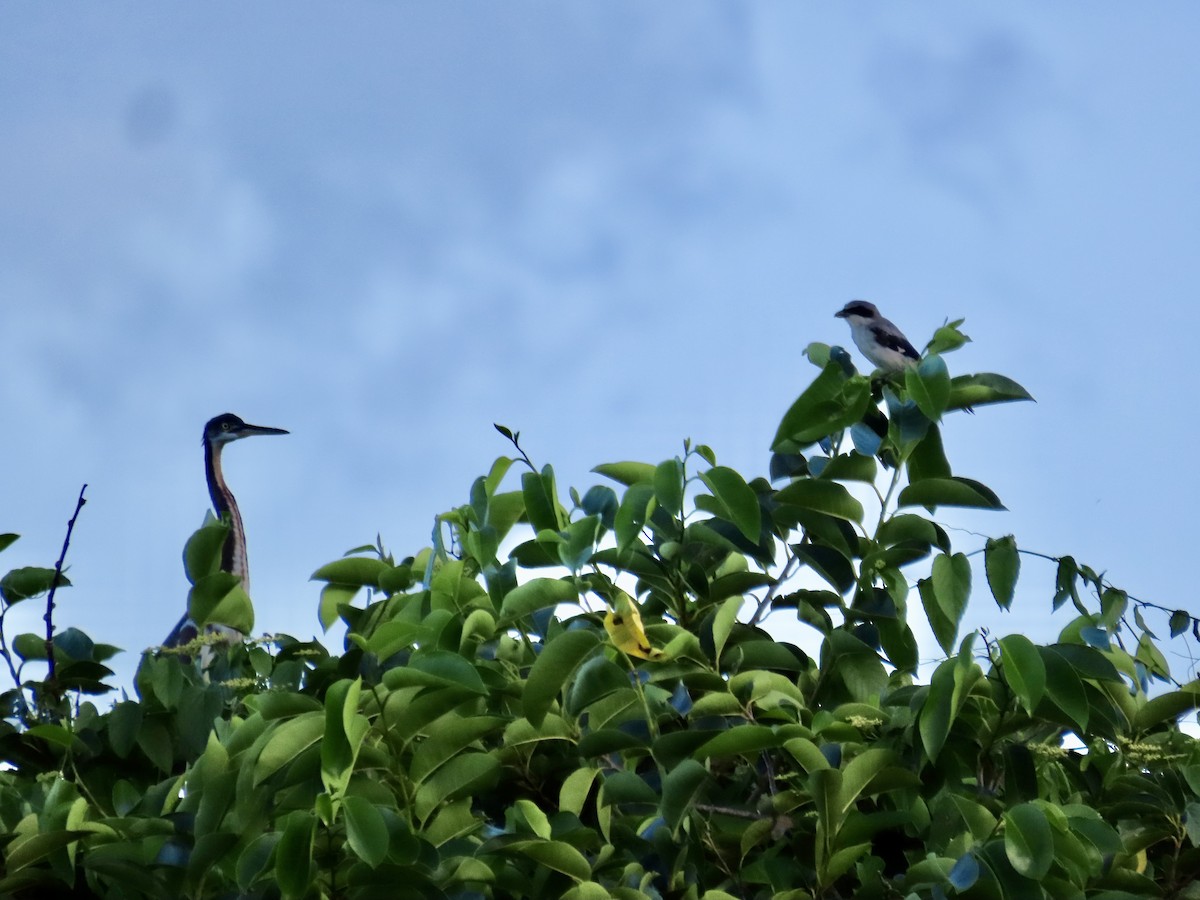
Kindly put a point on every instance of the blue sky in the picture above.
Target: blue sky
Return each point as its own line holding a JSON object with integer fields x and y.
{"x": 611, "y": 226}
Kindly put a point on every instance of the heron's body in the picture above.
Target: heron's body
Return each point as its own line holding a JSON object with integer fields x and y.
{"x": 218, "y": 432}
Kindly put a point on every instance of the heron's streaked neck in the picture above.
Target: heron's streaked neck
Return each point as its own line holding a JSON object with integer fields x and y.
{"x": 233, "y": 557}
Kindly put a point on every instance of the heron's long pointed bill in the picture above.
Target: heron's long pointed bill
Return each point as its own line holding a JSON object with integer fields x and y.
{"x": 252, "y": 430}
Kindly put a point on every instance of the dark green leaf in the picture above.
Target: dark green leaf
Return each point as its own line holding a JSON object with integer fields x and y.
{"x": 832, "y": 403}
{"x": 29, "y": 646}
{"x": 366, "y": 831}
{"x": 1180, "y": 621}
{"x": 1064, "y": 688}
{"x": 680, "y": 788}
{"x": 668, "y": 486}
{"x": 293, "y": 855}
{"x": 1023, "y": 670}
{"x": 21, "y": 584}
{"x": 928, "y": 383}
{"x": 123, "y": 724}
{"x": 558, "y": 659}
{"x": 928, "y": 457}
{"x": 952, "y": 491}
{"x": 539, "y": 593}
{"x": 826, "y": 497}
{"x": 1028, "y": 840}
{"x": 738, "y": 499}
{"x": 1002, "y": 563}
{"x": 982, "y": 389}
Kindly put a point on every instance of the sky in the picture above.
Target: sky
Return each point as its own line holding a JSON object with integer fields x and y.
{"x": 611, "y": 226}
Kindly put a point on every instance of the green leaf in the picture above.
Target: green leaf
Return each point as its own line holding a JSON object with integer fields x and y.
{"x": 437, "y": 668}
{"x": 832, "y": 403}
{"x": 627, "y": 473}
{"x": 30, "y": 646}
{"x": 631, "y": 514}
{"x": 123, "y": 724}
{"x": 928, "y": 457}
{"x": 287, "y": 741}
{"x": 668, "y": 486}
{"x": 541, "y": 500}
{"x": 952, "y": 491}
{"x": 333, "y": 598}
{"x": 360, "y": 571}
{"x": 28, "y": 849}
{"x": 680, "y": 788}
{"x": 559, "y": 658}
{"x": 537, "y": 820}
{"x": 928, "y": 384}
{"x": 947, "y": 338}
{"x": 7, "y": 539}
{"x": 1023, "y": 669}
{"x": 945, "y": 596}
{"x": 1064, "y": 688}
{"x": 536, "y": 594}
{"x": 723, "y": 622}
{"x": 826, "y": 497}
{"x": 1002, "y": 564}
{"x": 741, "y": 739}
{"x": 366, "y": 831}
{"x": 556, "y": 855}
{"x": 202, "y": 552}
{"x": 852, "y": 466}
{"x": 218, "y": 599}
{"x": 738, "y": 498}
{"x": 21, "y": 584}
{"x": 1028, "y": 840}
{"x": 938, "y": 711}
{"x": 1168, "y": 707}
{"x": 982, "y": 389}
{"x": 293, "y": 855}
{"x": 1180, "y": 621}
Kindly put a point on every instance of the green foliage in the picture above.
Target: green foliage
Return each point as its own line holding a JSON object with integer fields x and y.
{"x": 599, "y": 711}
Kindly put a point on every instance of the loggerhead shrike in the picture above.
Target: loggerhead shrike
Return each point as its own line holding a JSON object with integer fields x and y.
{"x": 879, "y": 340}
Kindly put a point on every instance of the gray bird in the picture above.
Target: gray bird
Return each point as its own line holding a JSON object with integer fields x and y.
{"x": 878, "y": 338}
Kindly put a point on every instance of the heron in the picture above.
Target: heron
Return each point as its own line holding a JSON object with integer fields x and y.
{"x": 222, "y": 430}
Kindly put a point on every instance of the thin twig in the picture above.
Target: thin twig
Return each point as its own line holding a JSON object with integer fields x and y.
{"x": 58, "y": 567}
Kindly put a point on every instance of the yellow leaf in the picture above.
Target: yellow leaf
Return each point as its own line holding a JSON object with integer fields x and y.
{"x": 625, "y": 630}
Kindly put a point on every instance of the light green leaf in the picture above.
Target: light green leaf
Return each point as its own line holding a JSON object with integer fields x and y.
{"x": 219, "y": 599}
{"x": 333, "y": 598}
{"x": 360, "y": 571}
{"x": 627, "y": 473}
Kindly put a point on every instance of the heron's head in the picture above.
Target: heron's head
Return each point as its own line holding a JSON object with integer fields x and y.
{"x": 228, "y": 427}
